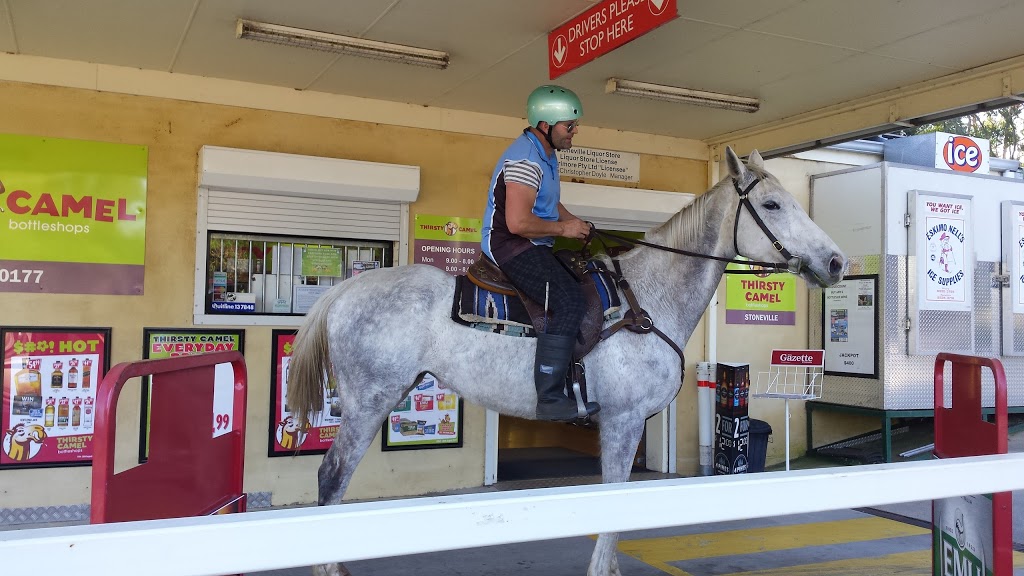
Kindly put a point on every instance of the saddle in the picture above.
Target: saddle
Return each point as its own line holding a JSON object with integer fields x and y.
{"x": 598, "y": 294}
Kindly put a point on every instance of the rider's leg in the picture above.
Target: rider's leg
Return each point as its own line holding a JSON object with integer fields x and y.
{"x": 539, "y": 275}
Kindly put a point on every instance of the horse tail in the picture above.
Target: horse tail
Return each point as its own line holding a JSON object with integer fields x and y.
{"x": 310, "y": 365}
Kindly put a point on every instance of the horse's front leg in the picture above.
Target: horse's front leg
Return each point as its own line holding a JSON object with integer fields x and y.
{"x": 619, "y": 438}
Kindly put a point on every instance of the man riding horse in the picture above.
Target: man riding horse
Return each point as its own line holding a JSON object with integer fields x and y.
{"x": 523, "y": 215}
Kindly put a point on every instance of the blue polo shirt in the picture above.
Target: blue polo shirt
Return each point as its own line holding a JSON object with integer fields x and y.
{"x": 525, "y": 162}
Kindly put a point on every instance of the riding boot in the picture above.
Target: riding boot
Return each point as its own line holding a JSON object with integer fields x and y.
{"x": 553, "y": 355}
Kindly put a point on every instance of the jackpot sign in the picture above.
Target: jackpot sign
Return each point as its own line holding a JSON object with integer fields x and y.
{"x": 604, "y": 28}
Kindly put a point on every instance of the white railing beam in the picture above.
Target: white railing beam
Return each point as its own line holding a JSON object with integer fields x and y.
{"x": 278, "y": 539}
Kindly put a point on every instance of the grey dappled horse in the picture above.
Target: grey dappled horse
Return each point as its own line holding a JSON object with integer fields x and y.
{"x": 382, "y": 330}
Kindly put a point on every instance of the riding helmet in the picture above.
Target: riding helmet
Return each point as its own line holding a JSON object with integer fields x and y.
{"x": 550, "y": 103}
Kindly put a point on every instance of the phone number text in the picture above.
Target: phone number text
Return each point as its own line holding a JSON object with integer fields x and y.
{"x": 20, "y": 276}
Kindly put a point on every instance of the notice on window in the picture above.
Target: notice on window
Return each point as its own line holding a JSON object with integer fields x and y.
{"x": 321, "y": 261}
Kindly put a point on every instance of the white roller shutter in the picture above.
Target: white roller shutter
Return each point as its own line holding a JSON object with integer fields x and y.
{"x": 297, "y": 216}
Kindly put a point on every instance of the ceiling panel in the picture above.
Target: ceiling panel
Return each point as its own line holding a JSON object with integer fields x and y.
{"x": 735, "y": 13}
{"x": 969, "y": 43}
{"x": 737, "y": 64}
{"x": 667, "y": 43}
{"x": 858, "y": 76}
{"x": 503, "y": 88}
{"x": 136, "y": 34}
{"x": 869, "y": 23}
{"x": 472, "y": 49}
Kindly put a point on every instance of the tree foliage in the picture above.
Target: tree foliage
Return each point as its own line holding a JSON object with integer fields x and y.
{"x": 1003, "y": 128}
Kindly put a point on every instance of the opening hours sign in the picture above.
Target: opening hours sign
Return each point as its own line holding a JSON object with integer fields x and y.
{"x": 604, "y": 28}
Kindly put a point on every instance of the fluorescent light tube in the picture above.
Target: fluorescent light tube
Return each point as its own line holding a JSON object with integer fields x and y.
{"x": 681, "y": 95}
{"x": 325, "y": 42}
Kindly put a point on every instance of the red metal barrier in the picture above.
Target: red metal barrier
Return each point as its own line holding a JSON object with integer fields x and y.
{"x": 961, "y": 430}
{"x": 189, "y": 472}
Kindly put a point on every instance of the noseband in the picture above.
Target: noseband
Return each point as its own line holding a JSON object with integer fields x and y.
{"x": 793, "y": 263}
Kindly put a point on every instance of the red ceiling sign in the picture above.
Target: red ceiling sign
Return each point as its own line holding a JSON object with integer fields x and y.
{"x": 602, "y": 29}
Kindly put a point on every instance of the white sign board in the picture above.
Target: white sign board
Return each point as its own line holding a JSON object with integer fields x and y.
{"x": 600, "y": 164}
{"x": 223, "y": 399}
{"x": 1013, "y": 242}
{"x": 942, "y": 234}
{"x": 850, "y": 333}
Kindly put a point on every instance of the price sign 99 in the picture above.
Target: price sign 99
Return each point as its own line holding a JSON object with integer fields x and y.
{"x": 222, "y": 422}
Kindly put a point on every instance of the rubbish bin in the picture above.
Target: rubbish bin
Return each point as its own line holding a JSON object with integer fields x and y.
{"x": 758, "y": 447}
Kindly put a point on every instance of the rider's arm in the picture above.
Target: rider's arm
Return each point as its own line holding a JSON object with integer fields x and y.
{"x": 519, "y": 216}
{"x": 564, "y": 214}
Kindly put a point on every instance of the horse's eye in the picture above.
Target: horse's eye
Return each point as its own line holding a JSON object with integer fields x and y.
{"x": 771, "y": 205}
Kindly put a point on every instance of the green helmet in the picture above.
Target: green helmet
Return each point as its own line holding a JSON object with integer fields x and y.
{"x": 552, "y": 104}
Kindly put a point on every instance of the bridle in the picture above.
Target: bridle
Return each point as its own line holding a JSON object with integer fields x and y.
{"x": 638, "y": 320}
{"x": 793, "y": 264}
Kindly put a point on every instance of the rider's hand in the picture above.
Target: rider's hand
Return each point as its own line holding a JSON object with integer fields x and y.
{"x": 575, "y": 228}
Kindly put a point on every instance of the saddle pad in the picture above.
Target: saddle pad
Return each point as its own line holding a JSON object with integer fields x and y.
{"x": 610, "y": 302}
{"x": 489, "y": 311}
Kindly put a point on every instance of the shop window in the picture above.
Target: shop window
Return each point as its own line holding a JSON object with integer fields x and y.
{"x": 275, "y": 231}
{"x": 275, "y": 275}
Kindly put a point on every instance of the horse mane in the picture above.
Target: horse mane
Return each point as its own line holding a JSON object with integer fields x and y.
{"x": 685, "y": 226}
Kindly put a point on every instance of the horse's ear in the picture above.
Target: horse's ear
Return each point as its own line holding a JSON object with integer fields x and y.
{"x": 755, "y": 159}
{"x": 736, "y": 168}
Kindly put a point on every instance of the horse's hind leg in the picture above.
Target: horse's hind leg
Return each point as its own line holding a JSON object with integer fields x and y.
{"x": 619, "y": 438}
{"x": 363, "y": 417}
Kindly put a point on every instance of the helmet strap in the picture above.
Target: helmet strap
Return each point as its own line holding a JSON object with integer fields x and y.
{"x": 547, "y": 135}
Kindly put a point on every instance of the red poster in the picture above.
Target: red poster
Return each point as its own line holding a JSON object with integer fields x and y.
{"x": 287, "y": 438}
{"x": 602, "y": 29}
{"x": 50, "y": 376}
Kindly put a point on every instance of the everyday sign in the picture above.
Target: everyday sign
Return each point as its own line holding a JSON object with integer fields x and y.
{"x": 602, "y": 29}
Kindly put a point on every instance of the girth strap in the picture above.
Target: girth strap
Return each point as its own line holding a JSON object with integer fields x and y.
{"x": 637, "y": 320}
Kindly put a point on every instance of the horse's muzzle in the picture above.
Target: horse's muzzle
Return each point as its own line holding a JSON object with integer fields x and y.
{"x": 836, "y": 267}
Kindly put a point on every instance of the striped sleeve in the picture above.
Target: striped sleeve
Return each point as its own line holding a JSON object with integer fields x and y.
{"x": 522, "y": 172}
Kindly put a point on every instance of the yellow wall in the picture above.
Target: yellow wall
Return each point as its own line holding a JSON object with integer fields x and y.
{"x": 455, "y": 168}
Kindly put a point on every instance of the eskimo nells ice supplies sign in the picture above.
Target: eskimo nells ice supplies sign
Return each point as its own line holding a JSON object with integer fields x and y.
{"x": 72, "y": 216}
{"x": 945, "y": 255}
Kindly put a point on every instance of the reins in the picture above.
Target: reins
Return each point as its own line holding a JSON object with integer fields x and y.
{"x": 792, "y": 265}
{"x": 638, "y": 320}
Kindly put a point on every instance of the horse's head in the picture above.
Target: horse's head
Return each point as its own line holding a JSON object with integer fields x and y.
{"x": 814, "y": 255}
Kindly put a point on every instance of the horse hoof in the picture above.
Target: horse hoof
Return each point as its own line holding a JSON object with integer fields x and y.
{"x": 330, "y": 570}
